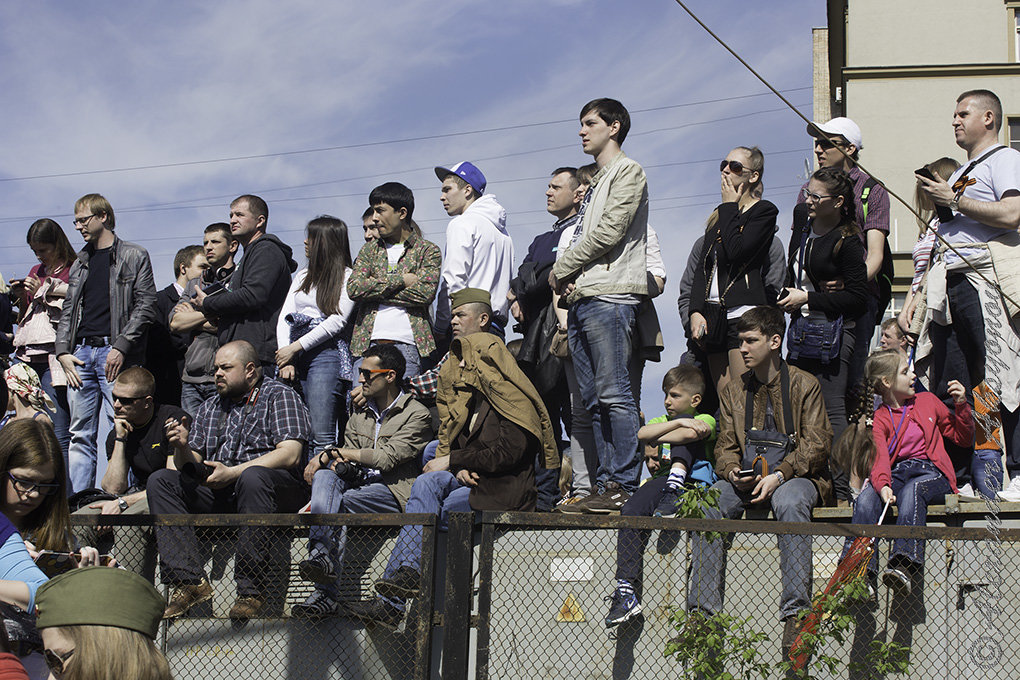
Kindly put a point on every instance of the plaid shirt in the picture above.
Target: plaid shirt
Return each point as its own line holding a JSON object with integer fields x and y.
{"x": 236, "y": 432}
{"x": 373, "y": 282}
{"x": 424, "y": 386}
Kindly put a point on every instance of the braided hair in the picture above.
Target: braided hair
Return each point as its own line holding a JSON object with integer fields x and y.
{"x": 838, "y": 183}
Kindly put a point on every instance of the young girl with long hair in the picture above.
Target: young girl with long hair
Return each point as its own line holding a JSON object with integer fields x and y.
{"x": 827, "y": 247}
{"x": 41, "y": 297}
{"x": 735, "y": 251}
{"x": 312, "y": 348}
{"x": 909, "y": 465}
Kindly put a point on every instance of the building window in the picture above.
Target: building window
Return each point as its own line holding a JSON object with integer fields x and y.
{"x": 1013, "y": 131}
{"x": 1013, "y": 14}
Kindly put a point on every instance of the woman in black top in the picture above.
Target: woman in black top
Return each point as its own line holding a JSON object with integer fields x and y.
{"x": 728, "y": 280}
{"x": 826, "y": 247}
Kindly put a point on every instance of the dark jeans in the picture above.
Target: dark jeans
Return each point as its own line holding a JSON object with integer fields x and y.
{"x": 864, "y": 333}
{"x": 832, "y": 378}
{"x": 630, "y": 543}
{"x": 917, "y": 483}
{"x": 257, "y": 490}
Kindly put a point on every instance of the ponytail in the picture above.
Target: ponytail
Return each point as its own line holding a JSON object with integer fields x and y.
{"x": 855, "y": 449}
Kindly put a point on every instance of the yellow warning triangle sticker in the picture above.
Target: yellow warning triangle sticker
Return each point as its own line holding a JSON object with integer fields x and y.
{"x": 570, "y": 612}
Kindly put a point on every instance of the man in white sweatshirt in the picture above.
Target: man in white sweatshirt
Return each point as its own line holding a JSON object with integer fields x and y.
{"x": 479, "y": 252}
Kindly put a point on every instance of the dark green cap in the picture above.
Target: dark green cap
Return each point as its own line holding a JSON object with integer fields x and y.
{"x": 466, "y": 295}
{"x": 100, "y": 596}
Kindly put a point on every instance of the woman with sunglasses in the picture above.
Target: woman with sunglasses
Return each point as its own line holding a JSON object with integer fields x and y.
{"x": 826, "y": 246}
{"x": 310, "y": 328}
{"x": 101, "y": 624}
{"x": 728, "y": 280}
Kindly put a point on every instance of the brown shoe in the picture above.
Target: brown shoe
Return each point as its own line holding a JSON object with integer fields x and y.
{"x": 184, "y": 597}
{"x": 246, "y": 607}
{"x": 791, "y": 627}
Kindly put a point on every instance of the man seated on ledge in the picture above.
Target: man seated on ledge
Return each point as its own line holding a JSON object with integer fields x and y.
{"x": 373, "y": 472}
{"x": 244, "y": 453}
{"x": 794, "y": 485}
{"x": 492, "y": 425}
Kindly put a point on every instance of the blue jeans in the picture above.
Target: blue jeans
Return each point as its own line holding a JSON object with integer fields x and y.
{"x": 791, "y": 502}
{"x": 330, "y": 495}
{"x": 435, "y": 493}
{"x": 916, "y": 484}
{"x": 193, "y": 394}
{"x": 325, "y": 394}
{"x": 91, "y": 407}
{"x": 600, "y": 336}
{"x": 61, "y": 413}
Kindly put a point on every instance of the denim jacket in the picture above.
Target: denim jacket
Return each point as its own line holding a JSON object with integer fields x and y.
{"x": 132, "y": 300}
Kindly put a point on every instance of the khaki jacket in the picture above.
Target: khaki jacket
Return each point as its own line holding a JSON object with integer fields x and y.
{"x": 610, "y": 256}
{"x": 810, "y": 456}
{"x": 404, "y": 432}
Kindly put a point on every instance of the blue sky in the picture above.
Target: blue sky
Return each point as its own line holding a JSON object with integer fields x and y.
{"x": 92, "y": 87}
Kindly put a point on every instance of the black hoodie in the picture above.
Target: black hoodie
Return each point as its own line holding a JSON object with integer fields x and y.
{"x": 258, "y": 287}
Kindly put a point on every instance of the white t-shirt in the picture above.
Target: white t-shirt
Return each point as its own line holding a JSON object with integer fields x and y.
{"x": 392, "y": 322}
{"x": 994, "y": 176}
{"x": 305, "y": 303}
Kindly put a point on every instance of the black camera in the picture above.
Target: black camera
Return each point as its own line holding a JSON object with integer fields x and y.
{"x": 354, "y": 474}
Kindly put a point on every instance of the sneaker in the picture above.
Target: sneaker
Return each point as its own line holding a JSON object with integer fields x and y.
{"x": 318, "y": 605}
{"x": 318, "y": 569}
{"x": 184, "y": 597}
{"x": 374, "y": 611}
{"x": 246, "y": 607}
{"x": 405, "y": 583}
{"x": 966, "y": 493}
{"x": 622, "y": 607}
{"x": 608, "y": 502}
{"x": 1011, "y": 494}
{"x": 668, "y": 502}
{"x": 897, "y": 579}
{"x": 571, "y": 505}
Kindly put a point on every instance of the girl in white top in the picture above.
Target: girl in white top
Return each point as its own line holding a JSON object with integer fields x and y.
{"x": 312, "y": 348}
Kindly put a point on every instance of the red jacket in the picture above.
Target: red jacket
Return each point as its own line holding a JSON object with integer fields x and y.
{"x": 934, "y": 419}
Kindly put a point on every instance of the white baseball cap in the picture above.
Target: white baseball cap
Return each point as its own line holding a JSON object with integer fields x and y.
{"x": 839, "y": 126}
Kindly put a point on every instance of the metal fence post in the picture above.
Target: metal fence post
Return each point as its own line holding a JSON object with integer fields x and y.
{"x": 457, "y": 610}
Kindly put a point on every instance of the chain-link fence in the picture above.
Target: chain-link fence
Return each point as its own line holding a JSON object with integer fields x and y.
{"x": 225, "y": 632}
{"x": 515, "y": 596}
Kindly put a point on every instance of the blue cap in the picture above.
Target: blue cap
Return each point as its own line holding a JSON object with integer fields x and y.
{"x": 467, "y": 172}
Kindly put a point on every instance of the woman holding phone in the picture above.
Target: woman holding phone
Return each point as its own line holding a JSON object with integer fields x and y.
{"x": 734, "y": 253}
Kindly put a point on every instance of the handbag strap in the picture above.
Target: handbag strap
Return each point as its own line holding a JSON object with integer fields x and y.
{"x": 784, "y": 388}
{"x": 894, "y": 444}
{"x": 743, "y": 270}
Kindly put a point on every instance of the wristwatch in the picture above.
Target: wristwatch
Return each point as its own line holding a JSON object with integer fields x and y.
{"x": 779, "y": 474}
{"x": 122, "y": 504}
{"x": 954, "y": 204}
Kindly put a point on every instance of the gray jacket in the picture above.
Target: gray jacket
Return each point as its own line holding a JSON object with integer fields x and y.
{"x": 132, "y": 300}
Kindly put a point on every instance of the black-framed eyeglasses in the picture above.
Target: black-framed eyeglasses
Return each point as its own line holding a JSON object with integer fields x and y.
{"x": 369, "y": 373}
{"x": 825, "y": 143}
{"x": 28, "y": 486}
{"x": 814, "y": 198}
{"x": 736, "y": 167}
{"x": 55, "y": 662}
{"x": 127, "y": 401}
{"x": 82, "y": 221}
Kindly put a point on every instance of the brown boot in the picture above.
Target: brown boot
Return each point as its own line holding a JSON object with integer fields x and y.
{"x": 185, "y": 597}
{"x": 246, "y": 607}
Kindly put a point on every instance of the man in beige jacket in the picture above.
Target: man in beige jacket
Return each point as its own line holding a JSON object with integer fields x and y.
{"x": 373, "y": 472}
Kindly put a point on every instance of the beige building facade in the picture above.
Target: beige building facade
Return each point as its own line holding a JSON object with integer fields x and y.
{"x": 896, "y": 67}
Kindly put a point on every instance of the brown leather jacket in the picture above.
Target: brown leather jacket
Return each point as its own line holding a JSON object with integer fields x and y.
{"x": 810, "y": 456}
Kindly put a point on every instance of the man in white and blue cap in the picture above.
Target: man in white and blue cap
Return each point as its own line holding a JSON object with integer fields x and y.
{"x": 479, "y": 252}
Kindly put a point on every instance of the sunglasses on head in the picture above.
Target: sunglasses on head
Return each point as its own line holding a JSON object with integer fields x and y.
{"x": 736, "y": 167}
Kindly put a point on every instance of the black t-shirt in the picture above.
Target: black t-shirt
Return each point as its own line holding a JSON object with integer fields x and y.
{"x": 95, "y": 298}
{"x": 147, "y": 447}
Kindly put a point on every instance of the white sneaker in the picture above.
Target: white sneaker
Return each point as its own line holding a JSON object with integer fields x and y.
{"x": 966, "y": 493}
{"x": 1011, "y": 494}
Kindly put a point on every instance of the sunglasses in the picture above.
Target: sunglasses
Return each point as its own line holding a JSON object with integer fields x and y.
{"x": 55, "y": 662}
{"x": 28, "y": 486}
{"x": 736, "y": 167}
{"x": 369, "y": 373}
{"x": 127, "y": 401}
{"x": 825, "y": 144}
